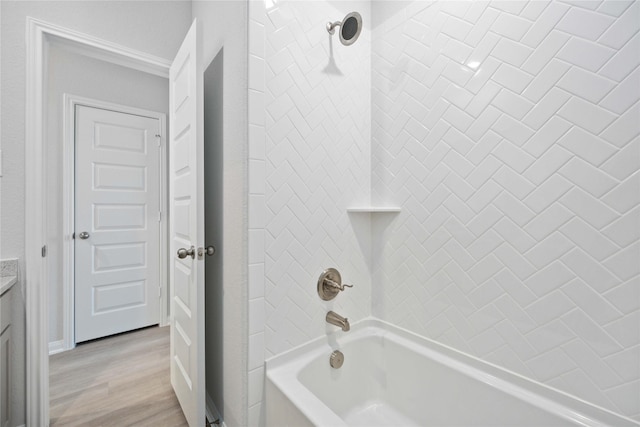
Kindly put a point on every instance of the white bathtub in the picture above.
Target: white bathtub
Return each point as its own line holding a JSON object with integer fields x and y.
{"x": 392, "y": 377}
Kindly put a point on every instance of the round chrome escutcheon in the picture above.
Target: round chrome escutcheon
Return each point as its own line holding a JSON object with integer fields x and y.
{"x": 327, "y": 293}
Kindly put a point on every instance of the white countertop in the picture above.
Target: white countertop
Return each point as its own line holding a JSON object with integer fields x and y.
{"x": 6, "y": 282}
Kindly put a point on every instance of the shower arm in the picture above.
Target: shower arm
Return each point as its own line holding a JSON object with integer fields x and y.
{"x": 331, "y": 26}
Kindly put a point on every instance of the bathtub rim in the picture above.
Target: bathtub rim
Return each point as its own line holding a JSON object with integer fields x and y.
{"x": 283, "y": 369}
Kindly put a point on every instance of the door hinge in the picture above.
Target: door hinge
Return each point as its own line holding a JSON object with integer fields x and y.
{"x": 159, "y": 216}
{"x": 160, "y": 292}
{"x": 159, "y": 138}
{"x": 44, "y": 251}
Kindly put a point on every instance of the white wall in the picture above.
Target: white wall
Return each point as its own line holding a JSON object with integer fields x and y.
{"x": 508, "y": 133}
{"x": 153, "y": 27}
{"x": 224, "y": 27}
{"x": 317, "y": 164}
{"x": 79, "y": 75}
{"x": 1, "y": 161}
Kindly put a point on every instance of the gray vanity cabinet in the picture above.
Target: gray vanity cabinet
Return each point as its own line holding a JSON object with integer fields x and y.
{"x": 5, "y": 358}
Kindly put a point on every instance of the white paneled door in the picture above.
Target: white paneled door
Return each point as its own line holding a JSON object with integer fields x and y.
{"x": 117, "y": 233}
{"x": 186, "y": 229}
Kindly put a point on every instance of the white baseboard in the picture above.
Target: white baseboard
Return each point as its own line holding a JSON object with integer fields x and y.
{"x": 212, "y": 411}
{"x": 56, "y": 347}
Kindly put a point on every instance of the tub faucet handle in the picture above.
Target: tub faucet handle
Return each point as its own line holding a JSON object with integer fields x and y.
{"x": 330, "y": 284}
{"x": 336, "y": 285}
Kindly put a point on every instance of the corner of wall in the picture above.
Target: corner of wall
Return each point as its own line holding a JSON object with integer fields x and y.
{"x": 257, "y": 211}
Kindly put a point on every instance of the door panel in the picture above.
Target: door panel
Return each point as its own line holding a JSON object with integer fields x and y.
{"x": 120, "y": 138}
{"x": 116, "y": 296}
{"x": 119, "y": 217}
{"x": 117, "y": 202}
{"x": 119, "y": 257}
{"x": 114, "y": 177}
{"x": 186, "y": 229}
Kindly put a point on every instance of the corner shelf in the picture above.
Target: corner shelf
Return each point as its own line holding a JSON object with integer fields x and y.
{"x": 374, "y": 209}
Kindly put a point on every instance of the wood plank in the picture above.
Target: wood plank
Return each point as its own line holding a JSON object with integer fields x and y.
{"x": 121, "y": 380}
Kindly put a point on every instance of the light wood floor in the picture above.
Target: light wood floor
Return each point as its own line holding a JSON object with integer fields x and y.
{"x": 116, "y": 381}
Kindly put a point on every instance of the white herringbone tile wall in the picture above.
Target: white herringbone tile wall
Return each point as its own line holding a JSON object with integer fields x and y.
{"x": 508, "y": 132}
{"x": 318, "y": 162}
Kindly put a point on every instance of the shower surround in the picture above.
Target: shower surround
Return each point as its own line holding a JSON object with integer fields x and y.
{"x": 508, "y": 134}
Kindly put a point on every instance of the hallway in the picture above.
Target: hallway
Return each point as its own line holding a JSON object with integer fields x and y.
{"x": 118, "y": 381}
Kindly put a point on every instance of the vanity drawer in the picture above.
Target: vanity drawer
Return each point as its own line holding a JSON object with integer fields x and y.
{"x": 5, "y": 310}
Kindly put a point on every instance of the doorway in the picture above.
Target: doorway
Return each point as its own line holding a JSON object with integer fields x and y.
{"x": 42, "y": 35}
{"x": 112, "y": 167}
{"x": 87, "y": 282}
{"x": 43, "y": 157}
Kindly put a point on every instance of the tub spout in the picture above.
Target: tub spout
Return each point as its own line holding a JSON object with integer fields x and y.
{"x": 335, "y": 319}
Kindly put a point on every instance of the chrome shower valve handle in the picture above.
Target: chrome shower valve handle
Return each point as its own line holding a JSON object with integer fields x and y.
{"x": 330, "y": 284}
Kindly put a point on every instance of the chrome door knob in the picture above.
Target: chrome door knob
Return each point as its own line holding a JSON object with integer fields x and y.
{"x": 210, "y": 250}
{"x": 183, "y": 253}
{"x": 84, "y": 235}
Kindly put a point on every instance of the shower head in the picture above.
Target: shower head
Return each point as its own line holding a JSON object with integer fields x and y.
{"x": 350, "y": 28}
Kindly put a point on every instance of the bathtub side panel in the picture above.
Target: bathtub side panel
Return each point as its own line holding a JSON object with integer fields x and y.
{"x": 281, "y": 412}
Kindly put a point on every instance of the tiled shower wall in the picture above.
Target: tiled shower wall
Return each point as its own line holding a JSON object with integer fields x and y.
{"x": 318, "y": 163}
{"x": 508, "y": 132}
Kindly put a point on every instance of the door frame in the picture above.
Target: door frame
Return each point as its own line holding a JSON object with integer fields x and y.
{"x": 68, "y": 211}
{"x": 39, "y": 35}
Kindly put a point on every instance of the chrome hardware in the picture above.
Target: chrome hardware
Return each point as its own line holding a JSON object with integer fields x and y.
{"x": 330, "y": 283}
{"x": 335, "y": 319}
{"x": 334, "y": 285}
{"x": 336, "y": 360}
{"x": 331, "y": 27}
{"x": 209, "y": 250}
{"x": 183, "y": 253}
{"x": 84, "y": 235}
{"x": 350, "y": 28}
